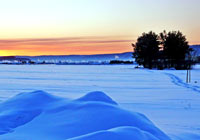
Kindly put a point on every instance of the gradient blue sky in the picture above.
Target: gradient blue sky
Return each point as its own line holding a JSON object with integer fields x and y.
{"x": 118, "y": 21}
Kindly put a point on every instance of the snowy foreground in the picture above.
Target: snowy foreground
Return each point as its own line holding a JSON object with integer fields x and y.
{"x": 40, "y": 116}
{"x": 62, "y": 110}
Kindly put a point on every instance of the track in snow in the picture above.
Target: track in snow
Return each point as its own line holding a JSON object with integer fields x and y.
{"x": 177, "y": 81}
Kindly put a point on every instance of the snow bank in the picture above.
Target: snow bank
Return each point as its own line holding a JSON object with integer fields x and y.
{"x": 95, "y": 116}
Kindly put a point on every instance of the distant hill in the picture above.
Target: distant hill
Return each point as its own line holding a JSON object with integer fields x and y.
{"x": 196, "y": 49}
{"x": 13, "y": 58}
{"x": 80, "y": 58}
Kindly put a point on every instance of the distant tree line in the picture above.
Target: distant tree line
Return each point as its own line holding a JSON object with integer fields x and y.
{"x": 120, "y": 62}
{"x": 166, "y": 50}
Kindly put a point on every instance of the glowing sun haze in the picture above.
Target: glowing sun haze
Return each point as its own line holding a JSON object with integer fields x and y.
{"x": 61, "y": 27}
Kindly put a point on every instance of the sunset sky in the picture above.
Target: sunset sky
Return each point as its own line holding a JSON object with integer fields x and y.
{"x": 62, "y": 27}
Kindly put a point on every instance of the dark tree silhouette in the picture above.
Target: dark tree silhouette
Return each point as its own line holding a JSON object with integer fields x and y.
{"x": 175, "y": 46}
{"x": 174, "y": 51}
{"x": 146, "y": 49}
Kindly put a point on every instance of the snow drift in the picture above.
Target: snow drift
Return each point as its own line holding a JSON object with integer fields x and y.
{"x": 95, "y": 116}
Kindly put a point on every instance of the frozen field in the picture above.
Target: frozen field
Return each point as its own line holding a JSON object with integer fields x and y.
{"x": 163, "y": 96}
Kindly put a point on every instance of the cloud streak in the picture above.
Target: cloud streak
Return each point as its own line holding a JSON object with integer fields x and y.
{"x": 59, "y": 41}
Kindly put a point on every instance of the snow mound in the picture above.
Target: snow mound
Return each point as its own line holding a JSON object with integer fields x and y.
{"x": 22, "y": 108}
{"x": 95, "y": 116}
{"x": 97, "y": 96}
{"x": 23, "y": 100}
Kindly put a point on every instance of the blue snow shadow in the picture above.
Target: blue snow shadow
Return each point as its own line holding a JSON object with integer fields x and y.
{"x": 95, "y": 116}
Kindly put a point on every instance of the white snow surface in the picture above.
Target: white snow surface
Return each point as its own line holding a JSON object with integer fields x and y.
{"x": 163, "y": 96}
{"x": 39, "y": 115}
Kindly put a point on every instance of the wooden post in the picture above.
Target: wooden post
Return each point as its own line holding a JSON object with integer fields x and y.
{"x": 187, "y": 76}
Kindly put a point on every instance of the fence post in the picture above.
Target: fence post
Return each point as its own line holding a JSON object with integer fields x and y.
{"x": 187, "y": 76}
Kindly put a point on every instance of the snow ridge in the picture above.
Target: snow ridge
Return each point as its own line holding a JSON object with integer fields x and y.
{"x": 97, "y": 96}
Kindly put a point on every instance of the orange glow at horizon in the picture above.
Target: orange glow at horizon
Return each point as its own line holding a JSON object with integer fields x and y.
{"x": 64, "y": 46}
